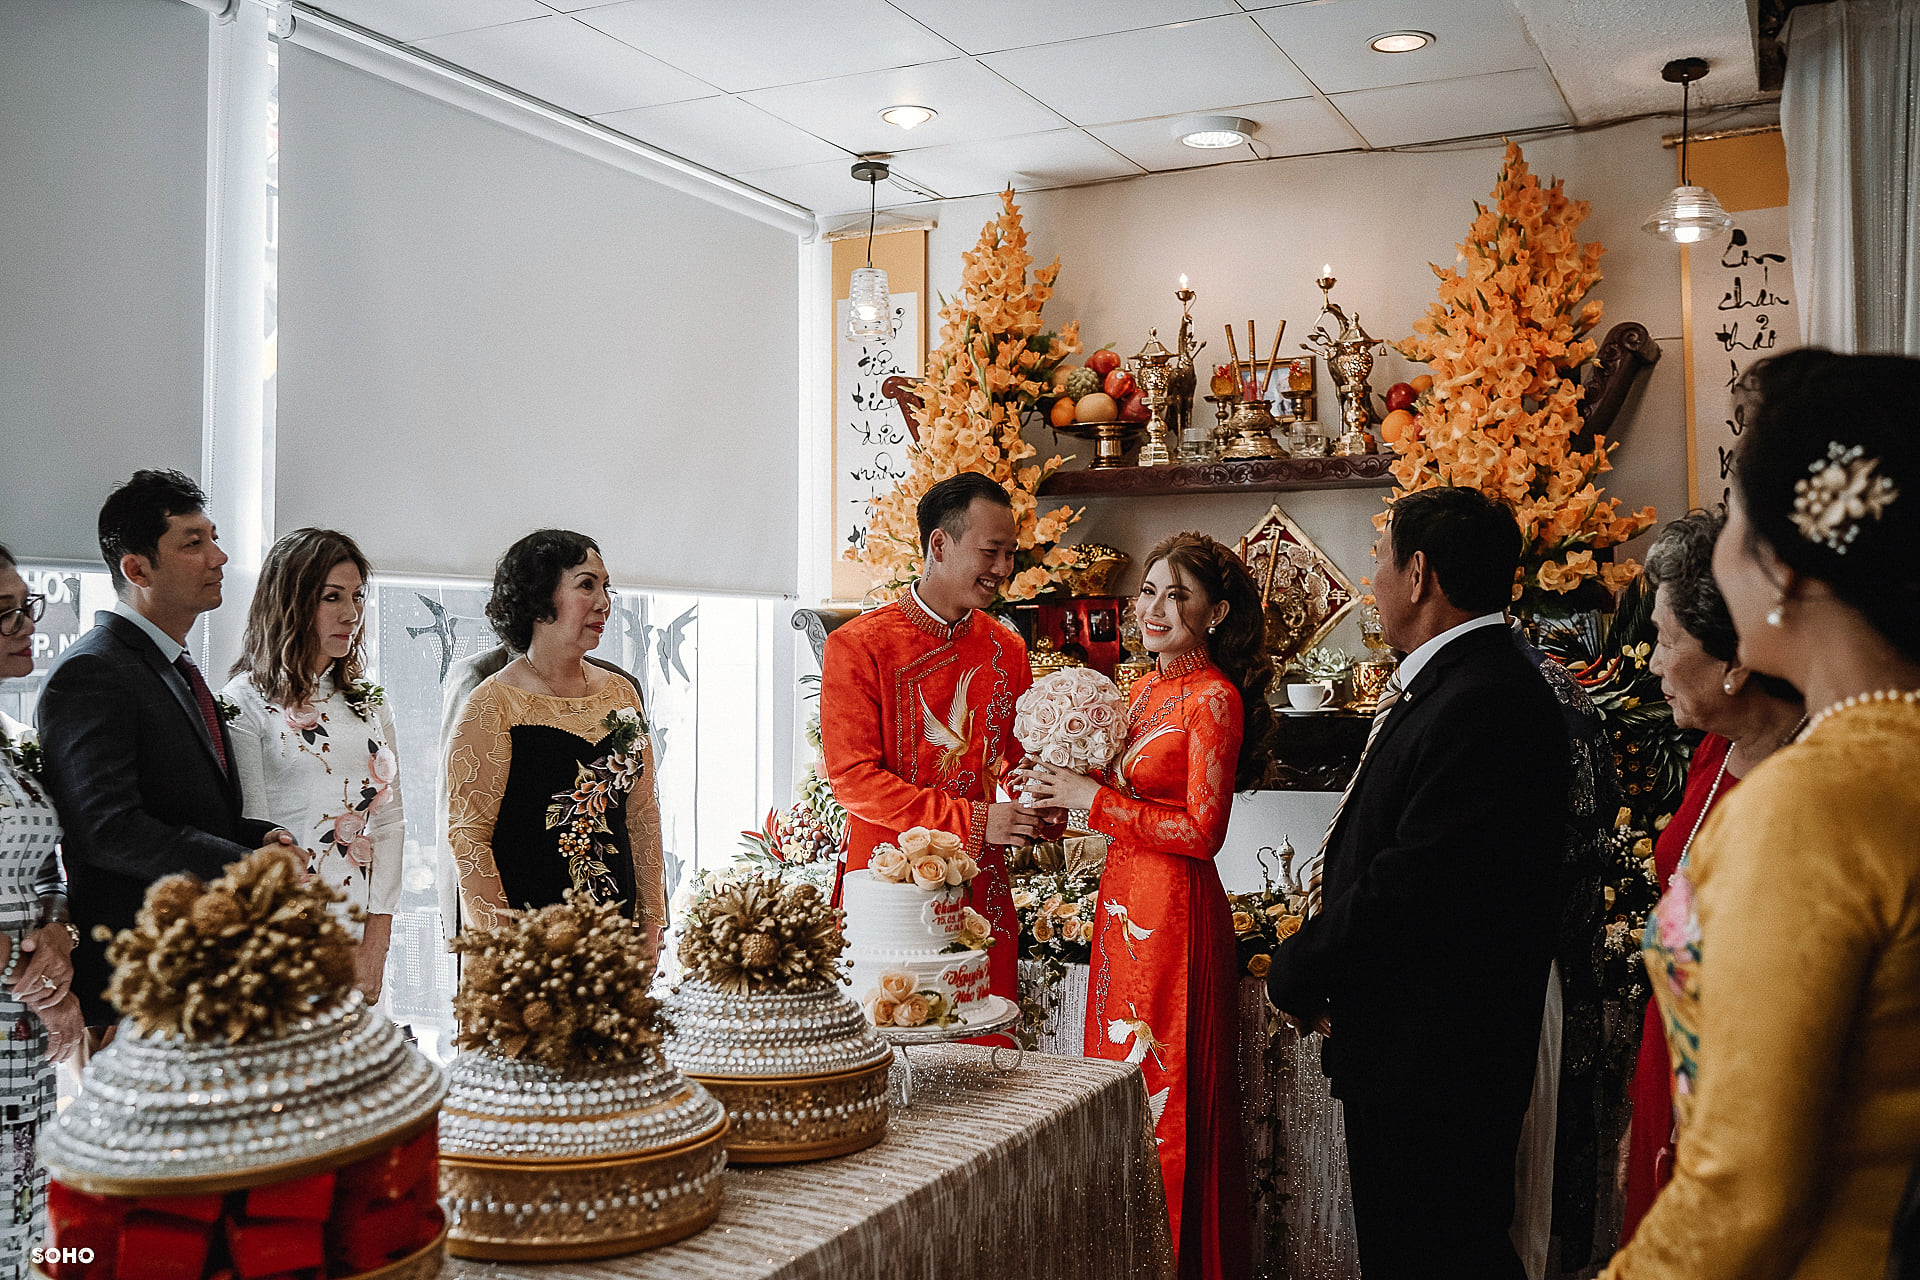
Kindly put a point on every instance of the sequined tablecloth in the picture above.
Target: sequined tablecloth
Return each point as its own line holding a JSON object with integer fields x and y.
{"x": 1047, "y": 1171}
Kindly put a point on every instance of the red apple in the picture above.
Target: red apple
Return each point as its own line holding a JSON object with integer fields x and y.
{"x": 1119, "y": 384}
{"x": 1134, "y": 408}
{"x": 1103, "y": 362}
{"x": 1401, "y": 395}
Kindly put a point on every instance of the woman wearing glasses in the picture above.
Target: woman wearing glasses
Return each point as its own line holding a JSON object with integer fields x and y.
{"x": 550, "y": 770}
{"x": 39, "y": 1018}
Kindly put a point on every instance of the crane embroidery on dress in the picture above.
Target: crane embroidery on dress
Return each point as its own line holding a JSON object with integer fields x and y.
{"x": 1157, "y": 1105}
{"x": 954, "y": 734}
{"x": 1133, "y": 752}
{"x": 1129, "y": 931}
{"x": 1119, "y": 1030}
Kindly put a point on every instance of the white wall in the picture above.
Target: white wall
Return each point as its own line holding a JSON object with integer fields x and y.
{"x": 1252, "y": 237}
{"x": 103, "y": 137}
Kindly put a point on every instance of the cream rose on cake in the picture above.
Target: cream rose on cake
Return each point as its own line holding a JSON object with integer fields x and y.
{"x": 916, "y": 950}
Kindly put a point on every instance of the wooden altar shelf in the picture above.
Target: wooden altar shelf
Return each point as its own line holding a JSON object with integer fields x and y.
{"x": 1254, "y": 475}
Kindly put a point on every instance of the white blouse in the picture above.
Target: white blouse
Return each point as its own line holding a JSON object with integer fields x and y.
{"x": 329, "y": 775}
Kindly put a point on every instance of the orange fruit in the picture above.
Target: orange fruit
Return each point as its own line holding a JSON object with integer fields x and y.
{"x": 1422, "y": 384}
{"x": 1396, "y": 424}
{"x": 1062, "y": 415}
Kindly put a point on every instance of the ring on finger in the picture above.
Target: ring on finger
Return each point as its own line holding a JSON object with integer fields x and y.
{"x": 48, "y": 982}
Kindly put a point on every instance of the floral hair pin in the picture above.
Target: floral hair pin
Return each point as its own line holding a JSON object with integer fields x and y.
{"x": 1838, "y": 494}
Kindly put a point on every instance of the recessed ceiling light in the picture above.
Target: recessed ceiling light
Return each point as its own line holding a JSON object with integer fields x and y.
{"x": 1213, "y": 132}
{"x": 906, "y": 116}
{"x": 1400, "y": 41}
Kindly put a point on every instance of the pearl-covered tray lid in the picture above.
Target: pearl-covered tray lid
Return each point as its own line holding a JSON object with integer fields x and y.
{"x": 506, "y": 1109}
{"x": 158, "y": 1114}
{"x": 814, "y": 1032}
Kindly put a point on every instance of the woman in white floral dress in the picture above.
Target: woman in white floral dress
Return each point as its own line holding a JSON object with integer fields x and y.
{"x": 313, "y": 740}
{"x": 39, "y": 1017}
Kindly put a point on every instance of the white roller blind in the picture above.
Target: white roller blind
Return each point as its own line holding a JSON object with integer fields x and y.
{"x": 103, "y": 160}
{"x": 482, "y": 333}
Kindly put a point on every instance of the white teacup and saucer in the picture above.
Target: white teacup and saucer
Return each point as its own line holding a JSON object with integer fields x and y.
{"x": 1309, "y": 699}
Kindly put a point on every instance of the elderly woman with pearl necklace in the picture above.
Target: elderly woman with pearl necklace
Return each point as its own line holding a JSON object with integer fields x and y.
{"x": 1786, "y": 955}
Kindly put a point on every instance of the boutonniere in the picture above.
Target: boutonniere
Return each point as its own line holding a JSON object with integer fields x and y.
{"x": 363, "y": 696}
{"x": 624, "y": 726}
{"x": 26, "y": 755}
{"x": 228, "y": 708}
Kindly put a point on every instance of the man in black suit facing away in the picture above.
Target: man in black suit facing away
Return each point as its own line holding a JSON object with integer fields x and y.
{"x": 136, "y": 749}
{"x": 1427, "y": 962}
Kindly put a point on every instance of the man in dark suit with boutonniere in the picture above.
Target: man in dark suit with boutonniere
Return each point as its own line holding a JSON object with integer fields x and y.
{"x": 1426, "y": 962}
{"x": 136, "y": 746}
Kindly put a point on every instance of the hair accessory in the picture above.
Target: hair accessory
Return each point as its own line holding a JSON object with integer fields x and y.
{"x": 1840, "y": 492}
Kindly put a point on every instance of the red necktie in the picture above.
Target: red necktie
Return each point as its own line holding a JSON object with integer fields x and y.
{"x": 208, "y": 712}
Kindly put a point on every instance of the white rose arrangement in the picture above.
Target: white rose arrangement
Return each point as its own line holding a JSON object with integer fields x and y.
{"x": 1074, "y": 719}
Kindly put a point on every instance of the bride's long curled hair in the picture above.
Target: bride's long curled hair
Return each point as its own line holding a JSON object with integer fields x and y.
{"x": 1238, "y": 646}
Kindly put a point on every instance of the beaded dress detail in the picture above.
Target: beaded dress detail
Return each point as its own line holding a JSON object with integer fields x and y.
{"x": 539, "y": 803}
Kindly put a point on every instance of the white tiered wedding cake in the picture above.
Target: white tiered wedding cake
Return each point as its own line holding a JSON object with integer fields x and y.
{"x": 916, "y": 952}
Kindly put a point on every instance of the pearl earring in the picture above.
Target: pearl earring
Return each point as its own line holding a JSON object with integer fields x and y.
{"x": 1777, "y": 616}
{"x": 1727, "y": 685}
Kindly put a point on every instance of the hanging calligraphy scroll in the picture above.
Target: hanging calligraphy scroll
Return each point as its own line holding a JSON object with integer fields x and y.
{"x": 1740, "y": 308}
{"x": 870, "y": 441}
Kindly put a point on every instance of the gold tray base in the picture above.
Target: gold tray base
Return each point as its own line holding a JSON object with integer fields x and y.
{"x": 789, "y": 1119}
{"x": 588, "y": 1211}
{"x": 581, "y": 1250}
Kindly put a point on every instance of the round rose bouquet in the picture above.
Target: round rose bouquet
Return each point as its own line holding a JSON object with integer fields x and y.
{"x": 929, "y": 859}
{"x": 1074, "y": 719}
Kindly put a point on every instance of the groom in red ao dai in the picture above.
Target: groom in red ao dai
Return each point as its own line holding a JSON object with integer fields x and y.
{"x": 916, "y": 706}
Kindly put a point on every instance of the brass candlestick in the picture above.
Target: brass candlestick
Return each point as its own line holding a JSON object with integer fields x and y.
{"x": 1349, "y": 355}
{"x": 1153, "y": 370}
{"x": 1184, "y": 382}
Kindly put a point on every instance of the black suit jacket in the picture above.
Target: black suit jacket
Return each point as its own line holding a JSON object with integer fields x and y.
{"x": 1441, "y": 889}
{"x": 140, "y": 792}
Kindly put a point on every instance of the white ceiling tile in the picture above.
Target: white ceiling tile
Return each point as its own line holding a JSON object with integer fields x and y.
{"x": 1509, "y": 102}
{"x": 1605, "y": 77}
{"x": 1327, "y": 39}
{"x": 1059, "y": 158}
{"x": 1190, "y": 66}
{"x": 826, "y": 189}
{"x": 557, "y": 60}
{"x": 724, "y": 134}
{"x": 1296, "y": 127}
{"x": 411, "y": 20}
{"x": 986, "y": 26}
{"x": 751, "y": 44}
{"x": 972, "y": 101}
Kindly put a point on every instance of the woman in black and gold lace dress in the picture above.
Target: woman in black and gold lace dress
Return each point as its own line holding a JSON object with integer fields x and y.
{"x": 550, "y": 771}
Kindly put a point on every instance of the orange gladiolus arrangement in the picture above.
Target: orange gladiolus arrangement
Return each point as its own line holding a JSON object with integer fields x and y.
{"x": 989, "y": 369}
{"x": 1504, "y": 343}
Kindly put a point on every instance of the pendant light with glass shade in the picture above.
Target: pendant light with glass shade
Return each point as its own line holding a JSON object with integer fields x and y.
{"x": 869, "y": 306}
{"x": 1689, "y": 214}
